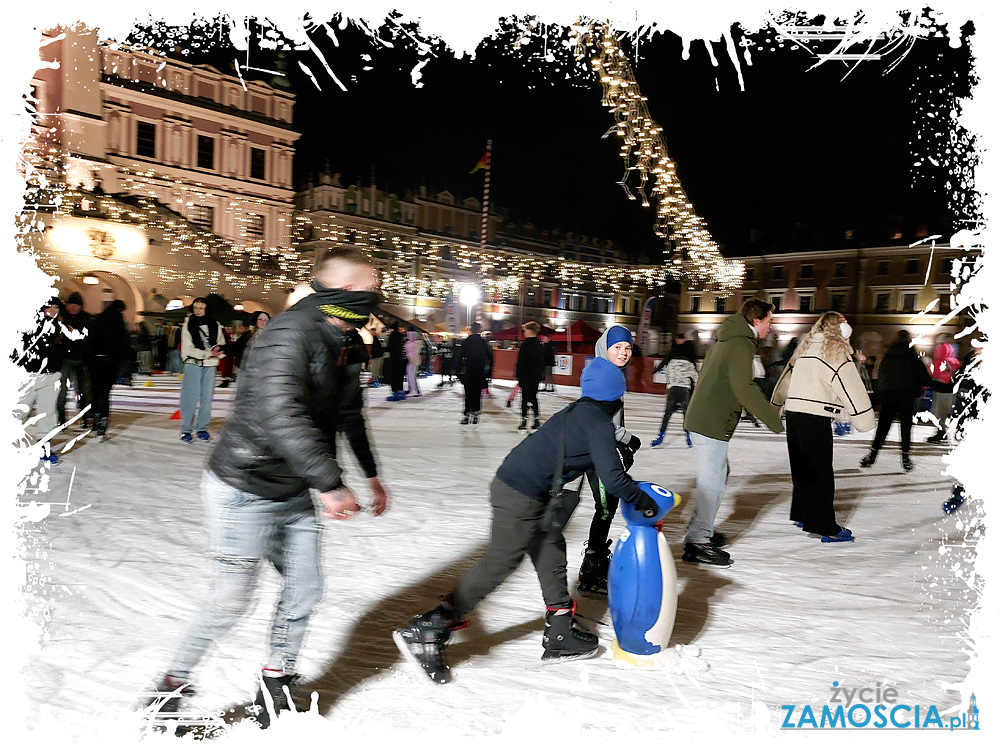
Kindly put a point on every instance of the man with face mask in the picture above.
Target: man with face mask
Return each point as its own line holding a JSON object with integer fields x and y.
{"x": 299, "y": 386}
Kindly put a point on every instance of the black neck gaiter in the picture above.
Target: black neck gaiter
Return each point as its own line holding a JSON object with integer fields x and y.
{"x": 350, "y": 306}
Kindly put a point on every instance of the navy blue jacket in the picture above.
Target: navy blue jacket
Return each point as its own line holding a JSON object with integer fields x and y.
{"x": 589, "y": 438}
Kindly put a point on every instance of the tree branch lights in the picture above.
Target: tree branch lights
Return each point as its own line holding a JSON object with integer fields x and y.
{"x": 644, "y": 152}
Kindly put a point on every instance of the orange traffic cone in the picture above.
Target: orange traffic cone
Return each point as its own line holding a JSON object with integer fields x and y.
{"x": 176, "y": 415}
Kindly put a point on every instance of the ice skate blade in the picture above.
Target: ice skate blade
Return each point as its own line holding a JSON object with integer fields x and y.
{"x": 437, "y": 676}
{"x": 592, "y": 593}
{"x": 550, "y": 657}
{"x": 694, "y": 559}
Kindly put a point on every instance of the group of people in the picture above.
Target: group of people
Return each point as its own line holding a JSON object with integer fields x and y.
{"x": 70, "y": 351}
{"x": 276, "y": 462}
{"x": 67, "y": 348}
{"x": 275, "y": 468}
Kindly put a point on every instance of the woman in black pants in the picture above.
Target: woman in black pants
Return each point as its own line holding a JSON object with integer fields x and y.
{"x": 819, "y": 384}
{"x": 902, "y": 377}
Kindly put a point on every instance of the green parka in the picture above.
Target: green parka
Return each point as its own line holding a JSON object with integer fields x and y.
{"x": 726, "y": 386}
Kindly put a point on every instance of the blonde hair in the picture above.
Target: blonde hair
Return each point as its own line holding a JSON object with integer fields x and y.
{"x": 826, "y": 331}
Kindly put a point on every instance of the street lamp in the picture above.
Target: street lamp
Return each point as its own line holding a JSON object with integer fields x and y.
{"x": 468, "y": 296}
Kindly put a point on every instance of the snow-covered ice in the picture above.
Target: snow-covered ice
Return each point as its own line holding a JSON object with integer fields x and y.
{"x": 120, "y": 566}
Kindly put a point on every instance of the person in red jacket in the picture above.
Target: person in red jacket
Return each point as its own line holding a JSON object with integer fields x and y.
{"x": 943, "y": 370}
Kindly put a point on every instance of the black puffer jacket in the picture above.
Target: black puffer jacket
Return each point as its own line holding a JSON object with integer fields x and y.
{"x": 298, "y": 387}
{"x": 902, "y": 372}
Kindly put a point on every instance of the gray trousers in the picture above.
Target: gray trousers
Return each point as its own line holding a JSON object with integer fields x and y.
{"x": 515, "y": 533}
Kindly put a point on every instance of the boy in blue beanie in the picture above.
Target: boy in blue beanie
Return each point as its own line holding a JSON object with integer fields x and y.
{"x": 615, "y": 345}
{"x": 519, "y": 495}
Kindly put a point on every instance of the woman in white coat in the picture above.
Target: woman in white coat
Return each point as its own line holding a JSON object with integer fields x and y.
{"x": 202, "y": 341}
{"x": 820, "y": 383}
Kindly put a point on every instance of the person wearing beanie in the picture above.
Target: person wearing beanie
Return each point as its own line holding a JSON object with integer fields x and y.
{"x": 725, "y": 388}
{"x": 75, "y": 368}
{"x": 614, "y": 346}
{"x": 519, "y": 495}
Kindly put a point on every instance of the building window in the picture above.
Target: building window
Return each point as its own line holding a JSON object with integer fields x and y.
{"x": 145, "y": 139}
{"x": 840, "y": 270}
{"x": 206, "y": 152}
{"x": 946, "y": 266}
{"x": 255, "y": 225}
{"x": 257, "y": 163}
{"x": 805, "y": 303}
{"x": 806, "y": 272}
{"x": 912, "y": 266}
{"x": 908, "y": 302}
{"x": 838, "y": 302}
{"x": 749, "y": 275}
{"x": 944, "y": 304}
{"x": 204, "y": 216}
{"x": 882, "y": 268}
{"x": 695, "y": 303}
{"x": 637, "y": 306}
{"x": 777, "y": 301}
{"x": 882, "y": 302}
{"x": 720, "y": 305}
{"x": 778, "y": 273}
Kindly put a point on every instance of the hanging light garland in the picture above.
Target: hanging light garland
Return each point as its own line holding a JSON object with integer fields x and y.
{"x": 410, "y": 265}
{"x": 644, "y": 152}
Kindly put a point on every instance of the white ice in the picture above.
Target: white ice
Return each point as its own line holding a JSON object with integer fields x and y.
{"x": 121, "y": 567}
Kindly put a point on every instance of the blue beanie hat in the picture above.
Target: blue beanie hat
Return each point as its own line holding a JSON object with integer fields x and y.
{"x": 602, "y": 381}
{"x": 618, "y": 334}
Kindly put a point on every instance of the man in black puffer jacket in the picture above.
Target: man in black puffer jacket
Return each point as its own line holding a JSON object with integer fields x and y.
{"x": 299, "y": 386}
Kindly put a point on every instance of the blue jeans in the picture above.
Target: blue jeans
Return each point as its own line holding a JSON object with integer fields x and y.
{"x": 243, "y": 529}
{"x": 712, "y": 466}
{"x": 197, "y": 390}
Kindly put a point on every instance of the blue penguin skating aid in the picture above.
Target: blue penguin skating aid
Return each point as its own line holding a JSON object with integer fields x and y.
{"x": 642, "y": 582}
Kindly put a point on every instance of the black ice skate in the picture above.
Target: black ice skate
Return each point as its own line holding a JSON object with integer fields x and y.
{"x": 869, "y": 459}
{"x": 705, "y": 553}
{"x": 594, "y": 571}
{"x": 562, "y": 639}
{"x": 475, "y": 418}
{"x": 277, "y": 698}
{"x": 422, "y": 642}
{"x": 524, "y": 424}
{"x": 536, "y": 424}
{"x": 165, "y": 698}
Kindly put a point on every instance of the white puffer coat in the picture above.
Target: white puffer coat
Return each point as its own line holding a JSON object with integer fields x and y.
{"x": 817, "y": 386}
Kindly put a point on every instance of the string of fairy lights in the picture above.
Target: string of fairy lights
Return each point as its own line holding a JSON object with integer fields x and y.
{"x": 410, "y": 265}
{"x": 644, "y": 152}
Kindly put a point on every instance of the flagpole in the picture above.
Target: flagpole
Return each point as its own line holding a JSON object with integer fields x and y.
{"x": 486, "y": 195}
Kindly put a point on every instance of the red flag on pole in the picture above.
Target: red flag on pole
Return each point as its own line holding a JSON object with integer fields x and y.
{"x": 483, "y": 163}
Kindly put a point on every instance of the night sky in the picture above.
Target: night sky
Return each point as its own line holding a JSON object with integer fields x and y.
{"x": 791, "y": 162}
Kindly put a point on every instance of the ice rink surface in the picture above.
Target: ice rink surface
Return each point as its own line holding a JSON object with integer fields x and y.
{"x": 120, "y": 566}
